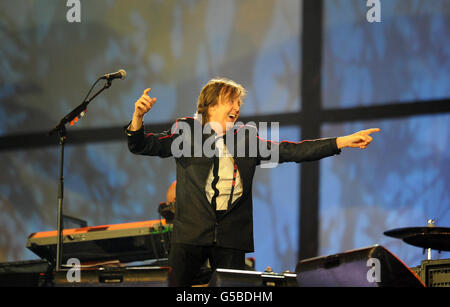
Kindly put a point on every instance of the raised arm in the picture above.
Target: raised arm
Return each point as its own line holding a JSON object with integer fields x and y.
{"x": 141, "y": 107}
{"x": 151, "y": 144}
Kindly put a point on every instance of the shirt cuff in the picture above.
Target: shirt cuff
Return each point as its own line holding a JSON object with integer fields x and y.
{"x": 336, "y": 150}
{"x": 132, "y": 133}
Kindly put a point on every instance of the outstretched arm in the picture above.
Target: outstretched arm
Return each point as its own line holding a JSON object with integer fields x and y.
{"x": 359, "y": 139}
{"x": 311, "y": 150}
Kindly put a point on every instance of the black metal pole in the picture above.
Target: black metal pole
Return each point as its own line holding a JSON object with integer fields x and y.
{"x": 59, "y": 245}
{"x": 311, "y": 123}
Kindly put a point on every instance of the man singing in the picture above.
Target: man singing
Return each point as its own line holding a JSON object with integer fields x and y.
{"x": 213, "y": 214}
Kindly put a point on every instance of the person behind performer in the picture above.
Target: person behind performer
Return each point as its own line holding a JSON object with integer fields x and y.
{"x": 167, "y": 209}
{"x": 213, "y": 212}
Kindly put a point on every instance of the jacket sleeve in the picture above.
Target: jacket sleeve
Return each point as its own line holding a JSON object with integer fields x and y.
{"x": 150, "y": 144}
{"x": 307, "y": 150}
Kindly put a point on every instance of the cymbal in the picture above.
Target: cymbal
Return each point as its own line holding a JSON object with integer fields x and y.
{"x": 437, "y": 238}
{"x": 402, "y": 233}
{"x": 437, "y": 241}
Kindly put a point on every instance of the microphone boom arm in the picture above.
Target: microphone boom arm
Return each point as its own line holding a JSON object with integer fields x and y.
{"x": 77, "y": 112}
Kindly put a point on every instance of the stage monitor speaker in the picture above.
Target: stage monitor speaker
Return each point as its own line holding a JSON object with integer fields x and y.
{"x": 115, "y": 277}
{"x": 29, "y": 273}
{"x": 242, "y": 278}
{"x": 373, "y": 266}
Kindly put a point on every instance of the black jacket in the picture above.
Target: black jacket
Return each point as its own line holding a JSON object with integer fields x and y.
{"x": 195, "y": 219}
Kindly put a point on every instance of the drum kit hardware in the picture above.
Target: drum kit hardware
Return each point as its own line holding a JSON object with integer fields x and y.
{"x": 429, "y": 237}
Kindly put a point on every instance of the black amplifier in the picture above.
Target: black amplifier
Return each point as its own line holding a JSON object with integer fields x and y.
{"x": 28, "y": 273}
{"x": 434, "y": 273}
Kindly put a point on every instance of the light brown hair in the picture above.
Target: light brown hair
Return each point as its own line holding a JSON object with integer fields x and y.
{"x": 210, "y": 93}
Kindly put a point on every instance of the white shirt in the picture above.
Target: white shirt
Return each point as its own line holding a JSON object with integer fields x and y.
{"x": 224, "y": 185}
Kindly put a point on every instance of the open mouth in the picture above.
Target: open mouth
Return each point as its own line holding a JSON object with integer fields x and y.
{"x": 232, "y": 116}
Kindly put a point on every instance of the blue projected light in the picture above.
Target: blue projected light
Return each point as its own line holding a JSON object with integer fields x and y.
{"x": 175, "y": 47}
{"x": 401, "y": 180}
{"x": 403, "y": 58}
{"x": 276, "y": 212}
{"x": 172, "y": 47}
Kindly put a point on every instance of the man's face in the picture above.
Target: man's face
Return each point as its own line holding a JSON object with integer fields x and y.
{"x": 225, "y": 113}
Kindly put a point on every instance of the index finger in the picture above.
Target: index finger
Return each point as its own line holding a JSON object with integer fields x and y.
{"x": 146, "y": 91}
{"x": 371, "y": 130}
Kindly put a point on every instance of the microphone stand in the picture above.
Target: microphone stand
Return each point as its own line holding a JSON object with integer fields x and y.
{"x": 79, "y": 111}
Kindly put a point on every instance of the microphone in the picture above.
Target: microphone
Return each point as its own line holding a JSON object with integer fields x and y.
{"x": 121, "y": 74}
